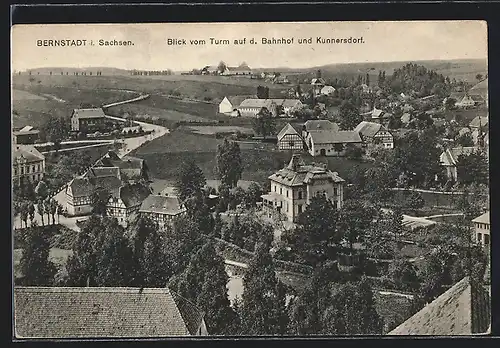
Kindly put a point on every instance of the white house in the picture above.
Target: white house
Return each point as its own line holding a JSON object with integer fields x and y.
{"x": 328, "y": 143}
{"x": 161, "y": 209}
{"x": 327, "y": 90}
{"x": 293, "y": 187}
{"x": 482, "y": 230}
{"x": 449, "y": 159}
{"x": 229, "y": 105}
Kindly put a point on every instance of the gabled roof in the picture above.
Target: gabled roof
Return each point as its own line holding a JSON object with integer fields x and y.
{"x": 479, "y": 121}
{"x": 236, "y": 100}
{"x": 321, "y": 125}
{"x": 450, "y": 156}
{"x": 287, "y": 130}
{"x": 89, "y": 113}
{"x": 369, "y": 129}
{"x": 329, "y": 137}
{"x": 28, "y": 152}
{"x": 96, "y": 172}
{"x": 318, "y": 81}
{"x": 105, "y": 312}
{"x": 131, "y": 195}
{"x": 84, "y": 186}
{"x": 255, "y": 103}
{"x": 168, "y": 205}
{"x": 327, "y": 89}
{"x": 484, "y": 218}
{"x": 464, "y": 309}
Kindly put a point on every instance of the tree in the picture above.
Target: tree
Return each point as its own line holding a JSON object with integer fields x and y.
{"x": 349, "y": 115}
{"x": 353, "y": 221}
{"x": 465, "y": 140}
{"x": 351, "y": 311}
{"x": 316, "y": 236}
{"x": 229, "y": 164}
{"x": 152, "y": 264}
{"x": 263, "y": 311}
{"x": 262, "y": 92}
{"x": 221, "y": 67}
{"x": 190, "y": 180}
{"x": 450, "y": 103}
{"x": 41, "y": 190}
{"x": 403, "y": 275}
{"x": 479, "y": 77}
{"x": 35, "y": 265}
{"x": 473, "y": 168}
{"x": 253, "y": 194}
{"x": 56, "y": 129}
{"x": 31, "y": 212}
{"x": 40, "y": 207}
{"x": 264, "y": 124}
{"x": 99, "y": 201}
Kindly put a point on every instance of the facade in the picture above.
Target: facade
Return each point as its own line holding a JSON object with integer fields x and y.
{"x": 161, "y": 209}
{"x": 328, "y": 143}
{"x": 293, "y": 187}
{"x": 88, "y": 120}
{"x": 125, "y": 201}
{"x": 290, "y": 139}
{"x": 28, "y": 164}
{"x": 130, "y": 169}
{"x": 317, "y": 84}
{"x": 469, "y": 101}
{"x": 375, "y": 134}
{"x": 229, "y": 105}
{"x": 104, "y": 312}
{"x": 482, "y": 230}
{"x": 26, "y": 135}
{"x": 243, "y": 69}
{"x": 327, "y": 90}
{"x": 449, "y": 160}
{"x": 251, "y": 107}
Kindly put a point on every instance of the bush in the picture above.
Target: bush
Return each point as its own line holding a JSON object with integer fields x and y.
{"x": 353, "y": 152}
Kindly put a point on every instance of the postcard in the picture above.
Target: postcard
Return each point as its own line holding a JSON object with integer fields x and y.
{"x": 250, "y": 180}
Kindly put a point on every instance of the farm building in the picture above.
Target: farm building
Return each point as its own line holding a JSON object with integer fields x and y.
{"x": 242, "y": 69}
{"x": 125, "y": 201}
{"x": 87, "y": 120}
{"x": 26, "y": 135}
{"x": 229, "y": 105}
{"x": 161, "y": 209}
{"x": 289, "y": 139}
{"x": 464, "y": 309}
{"x": 469, "y": 101}
{"x": 317, "y": 84}
{"x": 318, "y": 125}
{"x": 327, "y": 90}
{"x": 251, "y": 107}
{"x": 328, "y": 143}
{"x": 104, "y": 312}
{"x": 449, "y": 159}
{"x": 375, "y": 134}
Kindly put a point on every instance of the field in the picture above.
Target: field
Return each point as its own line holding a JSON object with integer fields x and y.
{"x": 212, "y": 130}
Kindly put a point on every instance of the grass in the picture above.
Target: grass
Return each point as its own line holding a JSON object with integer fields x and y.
{"x": 154, "y": 112}
{"x": 94, "y": 152}
{"x": 212, "y": 130}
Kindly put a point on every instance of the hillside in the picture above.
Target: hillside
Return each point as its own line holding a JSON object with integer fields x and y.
{"x": 70, "y": 71}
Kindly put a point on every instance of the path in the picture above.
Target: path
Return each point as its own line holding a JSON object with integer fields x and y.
{"x": 139, "y": 98}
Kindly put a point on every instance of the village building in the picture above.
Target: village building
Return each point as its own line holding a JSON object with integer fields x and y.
{"x": 242, "y": 69}
{"x": 290, "y": 139}
{"x": 26, "y": 135}
{"x": 162, "y": 209}
{"x": 132, "y": 129}
{"x": 449, "y": 160}
{"x": 377, "y": 116}
{"x": 104, "y": 312}
{"x": 251, "y": 107}
{"x": 280, "y": 79}
{"x": 479, "y": 122}
{"x": 327, "y": 90}
{"x": 293, "y": 187}
{"x": 464, "y": 309}
{"x": 318, "y": 125}
{"x": 317, "y": 85}
{"x": 210, "y": 70}
{"x": 405, "y": 119}
{"x": 88, "y": 120}
{"x": 365, "y": 88}
{"x": 328, "y": 143}
{"x": 130, "y": 169}
{"x": 27, "y": 164}
{"x": 469, "y": 101}
{"x": 125, "y": 201}
{"x": 229, "y": 105}
{"x": 482, "y": 230}
{"x": 374, "y": 134}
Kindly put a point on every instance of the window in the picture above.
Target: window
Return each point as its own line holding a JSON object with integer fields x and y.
{"x": 291, "y": 143}
{"x": 286, "y": 193}
{"x": 274, "y": 188}
{"x": 22, "y": 170}
{"x": 281, "y": 190}
{"x": 33, "y": 169}
{"x": 335, "y": 191}
{"x": 300, "y": 194}
{"x": 479, "y": 237}
{"x": 486, "y": 239}
{"x": 15, "y": 171}
{"x": 299, "y": 208}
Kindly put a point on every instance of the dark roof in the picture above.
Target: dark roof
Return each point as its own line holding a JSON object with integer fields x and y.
{"x": 169, "y": 205}
{"x": 340, "y": 137}
{"x": 50, "y": 312}
{"x": 83, "y": 186}
{"x": 28, "y": 152}
{"x": 463, "y": 309}
{"x": 131, "y": 195}
{"x": 321, "y": 125}
{"x": 95, "y": 172}
{"x": 297, "y": 173}
{"x": 369, "y": 129}
{"x": 236, "y": 100}
{"x": 256, "y": 103}
{"x": 89, "y": 113}
{"x": 131, "y": 167}
{"x": 288, "y": 129}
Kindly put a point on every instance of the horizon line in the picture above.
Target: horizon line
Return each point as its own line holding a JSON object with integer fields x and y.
{"x": 257, "y": 68}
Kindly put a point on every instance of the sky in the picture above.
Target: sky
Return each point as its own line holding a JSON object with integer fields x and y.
{"x": 382, "y": 42}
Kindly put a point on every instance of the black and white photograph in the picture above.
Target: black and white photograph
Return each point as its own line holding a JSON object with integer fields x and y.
{"x": 250, "y": 179}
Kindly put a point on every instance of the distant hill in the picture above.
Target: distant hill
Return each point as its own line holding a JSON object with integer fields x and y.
{"x": 461, "y": 69}
{"x": 57, "y": 71}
